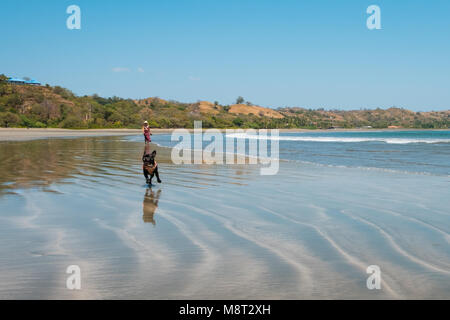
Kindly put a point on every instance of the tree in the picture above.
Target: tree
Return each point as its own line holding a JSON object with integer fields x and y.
{"x": 8, "y": 119}
{"x": 3, "y": 84}
{"x": 3, "y": 78}
{"x": 14, "y": 100}
{"x": 240, "y": 100}
{"x": 116, "y": 117}
{"x": 72, "y": 121}
{"x": 238, "y": 122}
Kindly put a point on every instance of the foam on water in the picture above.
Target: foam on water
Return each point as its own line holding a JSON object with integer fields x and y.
{"x": 336, "y": 139}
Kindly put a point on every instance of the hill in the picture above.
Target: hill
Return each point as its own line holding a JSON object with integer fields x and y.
{"x": 47, "y": 106}
{"x": 377, "y": 118}
{"x": 206, "y": 107}
{"x": 255, "y": 110}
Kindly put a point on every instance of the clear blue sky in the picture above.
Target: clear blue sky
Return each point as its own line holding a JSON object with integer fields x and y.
{"x": 312, "y": 54}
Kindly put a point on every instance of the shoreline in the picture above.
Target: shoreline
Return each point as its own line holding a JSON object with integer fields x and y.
{"x": 23, "y": 134}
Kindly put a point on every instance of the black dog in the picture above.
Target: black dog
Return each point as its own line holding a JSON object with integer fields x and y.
{"x": 150, "y": 167}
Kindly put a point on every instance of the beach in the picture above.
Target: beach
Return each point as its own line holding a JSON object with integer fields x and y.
{"x": 214, "y": 231}
{"x": 23, "y": 134}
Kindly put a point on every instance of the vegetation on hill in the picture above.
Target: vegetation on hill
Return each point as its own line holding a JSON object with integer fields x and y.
{"x": 47, "y": 106}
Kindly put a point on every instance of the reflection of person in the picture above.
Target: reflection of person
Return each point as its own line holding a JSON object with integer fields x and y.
{"x": 150, "y": 205}
{"x": 150, "y": 167}
{"x": 147, "y": 132}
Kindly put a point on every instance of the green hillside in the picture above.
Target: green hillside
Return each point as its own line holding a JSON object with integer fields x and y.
{"x": 47, "y": 106}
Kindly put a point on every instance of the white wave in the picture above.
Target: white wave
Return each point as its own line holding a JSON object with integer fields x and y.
{"x": 337, "y": 139}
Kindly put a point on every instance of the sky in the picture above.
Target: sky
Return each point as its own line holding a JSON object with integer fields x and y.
{"x": 311, "y": 54}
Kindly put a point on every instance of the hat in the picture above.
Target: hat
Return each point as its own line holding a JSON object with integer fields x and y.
{"x": 145, "y": 122}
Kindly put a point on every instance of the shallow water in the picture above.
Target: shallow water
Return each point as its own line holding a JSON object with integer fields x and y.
{"x": 419, "y": 151}
{"x": 214, "y": 231}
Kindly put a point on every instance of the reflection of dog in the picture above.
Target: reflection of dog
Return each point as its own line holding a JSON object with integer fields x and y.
{"x": 150, "y": 205}
{"x": 150, "y": 167}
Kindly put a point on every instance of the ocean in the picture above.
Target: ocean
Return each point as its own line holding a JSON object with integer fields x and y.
{"x": 412, "y": 151}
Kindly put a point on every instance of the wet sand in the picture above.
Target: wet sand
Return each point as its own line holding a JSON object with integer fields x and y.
{"x": 213, "y": 232}
{"x": 22, "y": 134}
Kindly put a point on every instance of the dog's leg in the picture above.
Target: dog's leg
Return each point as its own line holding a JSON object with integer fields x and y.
{"x": 151, "y": 177}
{"x": 157, "y": 175}
{"x": 146, "y": 175}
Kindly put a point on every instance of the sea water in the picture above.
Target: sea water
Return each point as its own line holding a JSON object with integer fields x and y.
{"x": 414, "y": 151}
